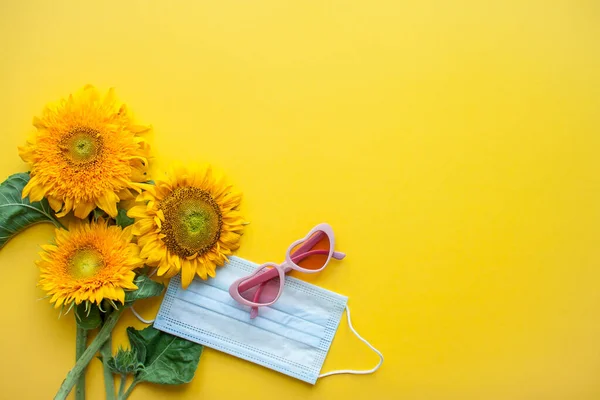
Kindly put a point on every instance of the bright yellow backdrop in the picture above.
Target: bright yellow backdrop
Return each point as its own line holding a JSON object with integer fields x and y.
{"x": 453, "y": 146}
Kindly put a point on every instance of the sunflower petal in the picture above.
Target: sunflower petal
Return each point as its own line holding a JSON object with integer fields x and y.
{"x": 187, "y": 274}
{"x": 82, "y": 210}
{"x": 55, "y": 203}
{"x": 66, "y": 208}
{"x": 201, "y": 272}
{"x": 110, "y": 201}
{"x": 137, "y": 212}
{"x": 163, "y": 267}
{"x": 36, "y": 193}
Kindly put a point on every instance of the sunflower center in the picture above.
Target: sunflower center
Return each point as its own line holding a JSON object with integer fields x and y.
{"x": 193, "y": 221}
{"x": 85, "y": 263}
{"x": 81, "y": 145}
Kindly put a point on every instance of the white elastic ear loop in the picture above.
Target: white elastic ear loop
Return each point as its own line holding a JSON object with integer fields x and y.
{"x": 138, "y": 316}
{"x": 351, "y": 371}
{"x": 146, "y": 321}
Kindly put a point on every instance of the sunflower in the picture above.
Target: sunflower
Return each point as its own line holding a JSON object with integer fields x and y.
{"x": 85, "y": 154}
{"x": 90, "y": 262}
{"x": 190, "y": 223}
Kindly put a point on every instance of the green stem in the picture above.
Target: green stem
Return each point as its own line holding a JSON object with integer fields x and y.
{"x": 122, "y": 384}
{"x": 80, "y": 345}
{"x": 88, "y": 354}
{"x": 109, "y": 380}
{"x": 129, "y": 390}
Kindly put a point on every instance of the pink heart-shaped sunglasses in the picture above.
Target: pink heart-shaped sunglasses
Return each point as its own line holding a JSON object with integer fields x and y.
{"x": 309, "y": 255}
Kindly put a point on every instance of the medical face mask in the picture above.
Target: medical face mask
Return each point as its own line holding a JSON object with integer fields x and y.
{"x": 291, "y": 336}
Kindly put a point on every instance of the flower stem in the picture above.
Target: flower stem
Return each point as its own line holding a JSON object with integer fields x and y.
{"x": 88, "y": 354}
{"x": 80, "y": 345}
{"x": 122, "y": 384}
{"x": 129, "y": 390}
{"x": 109, "y": 380}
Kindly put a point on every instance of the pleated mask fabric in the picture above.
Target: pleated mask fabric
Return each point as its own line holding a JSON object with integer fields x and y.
{"x": 292, "y": 336}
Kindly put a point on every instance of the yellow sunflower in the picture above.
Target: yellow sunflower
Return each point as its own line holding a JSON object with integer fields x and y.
{"x": 86, "y": 153}
{"x": 90, "y": 262}
{"x": 190, "y": 223}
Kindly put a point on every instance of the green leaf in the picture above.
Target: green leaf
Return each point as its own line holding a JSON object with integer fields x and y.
{"x": 16, "y": 214}
{"x": 125, "y": 362}
{"x": 99, "y": 213}
{"x": 123, "y": 220}
{"x": 146, "y": 288}
{"x": 88, "y": 316}
{"x": 138, "y": 344}
{"x": 168, "y": 360}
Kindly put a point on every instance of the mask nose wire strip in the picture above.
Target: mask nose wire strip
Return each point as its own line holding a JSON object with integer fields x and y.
{"x": 138, "y": 316}
{"x": 351, "y": 371}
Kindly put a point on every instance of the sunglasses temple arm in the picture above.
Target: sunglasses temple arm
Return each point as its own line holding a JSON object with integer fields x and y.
{"x": 303, "y": 251}
{"x": 254, "y": 310}
{"x": 258, "y": 279}
{"x": 309, "y": 244}
{"x": 299, "y": 257}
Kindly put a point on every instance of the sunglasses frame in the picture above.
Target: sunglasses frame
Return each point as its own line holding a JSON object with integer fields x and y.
{"x": 260, "y": 277}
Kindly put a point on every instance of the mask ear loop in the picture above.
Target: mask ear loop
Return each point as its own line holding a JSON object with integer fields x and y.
{"x": 138, "y": 316}
{"x": 351, "y": 371}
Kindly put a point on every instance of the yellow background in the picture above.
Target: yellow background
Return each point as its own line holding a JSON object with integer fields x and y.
{"x": 453, "y": 146}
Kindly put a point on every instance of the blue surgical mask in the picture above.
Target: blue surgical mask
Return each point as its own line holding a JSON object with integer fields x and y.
{"x": 292, "y": 336}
